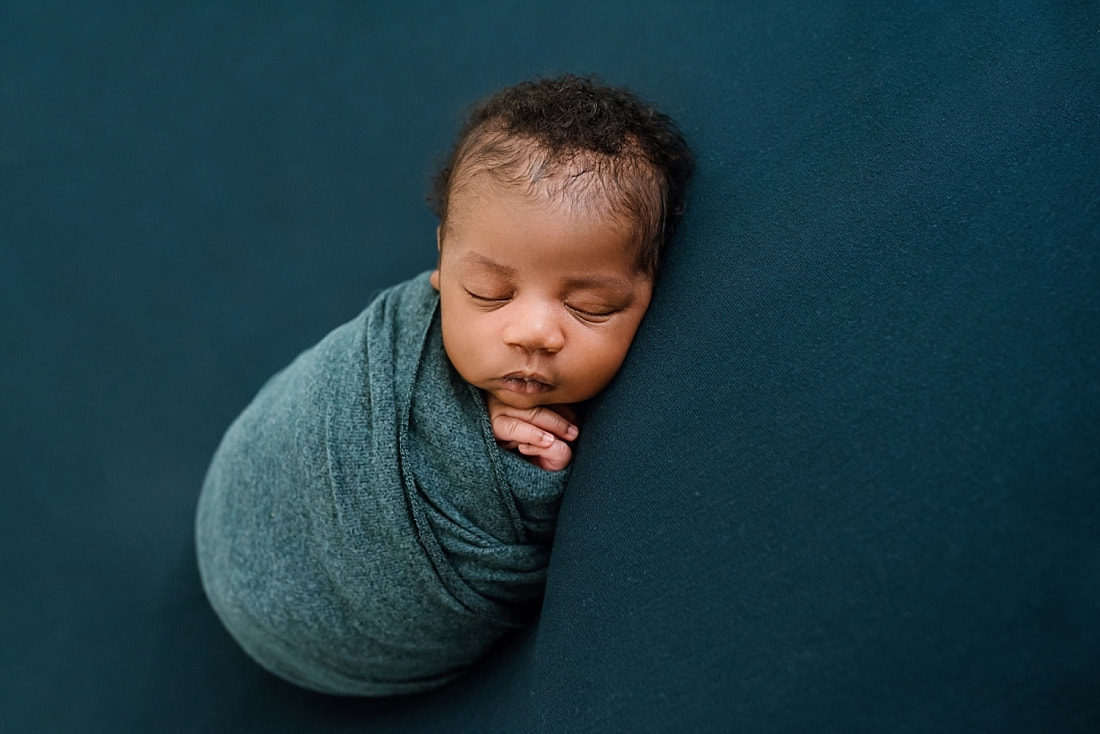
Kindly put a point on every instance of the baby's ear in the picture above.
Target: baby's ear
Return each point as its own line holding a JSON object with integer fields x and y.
{"x": 434, "y": 277}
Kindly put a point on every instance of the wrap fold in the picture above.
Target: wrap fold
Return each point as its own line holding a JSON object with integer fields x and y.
{"x": 359, "y": 532}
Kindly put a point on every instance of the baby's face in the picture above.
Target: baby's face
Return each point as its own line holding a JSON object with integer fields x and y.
{"x": 539, "y": 303}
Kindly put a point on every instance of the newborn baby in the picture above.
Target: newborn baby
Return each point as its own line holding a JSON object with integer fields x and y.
{"x": 382, "y": 511}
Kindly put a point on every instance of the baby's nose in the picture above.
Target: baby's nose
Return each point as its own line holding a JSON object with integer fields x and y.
{"x": 535, "y": 329}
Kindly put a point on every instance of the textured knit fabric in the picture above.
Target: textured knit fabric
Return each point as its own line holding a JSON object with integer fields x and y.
{"x": 359, "y": 531}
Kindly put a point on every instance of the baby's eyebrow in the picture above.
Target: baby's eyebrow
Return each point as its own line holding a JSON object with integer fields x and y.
{"x": 489, "y": 263}
{"x": 597, "y": 281}
{"x": 584, "y": 282}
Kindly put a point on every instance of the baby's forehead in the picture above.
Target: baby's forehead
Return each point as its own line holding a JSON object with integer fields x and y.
{"x": 537, "y": 209}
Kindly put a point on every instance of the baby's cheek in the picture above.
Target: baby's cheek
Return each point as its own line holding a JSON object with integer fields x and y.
{"x": 593, "y": 376}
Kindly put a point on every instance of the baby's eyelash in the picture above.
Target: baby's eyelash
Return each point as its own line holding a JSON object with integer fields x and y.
{"x": 593, "y": 314}
{"x": 485, "y": 299}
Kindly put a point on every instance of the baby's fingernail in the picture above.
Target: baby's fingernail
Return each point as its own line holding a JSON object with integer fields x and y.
{"x": 571, "y": 432}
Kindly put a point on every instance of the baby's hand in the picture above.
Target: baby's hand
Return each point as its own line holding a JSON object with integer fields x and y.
{"x": 540, "y": 434}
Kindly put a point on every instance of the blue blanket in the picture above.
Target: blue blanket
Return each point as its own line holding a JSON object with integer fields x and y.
{"x": 359, "y": 532}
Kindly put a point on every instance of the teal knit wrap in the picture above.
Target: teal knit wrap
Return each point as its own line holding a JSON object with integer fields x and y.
{"x": 359, "y": 531}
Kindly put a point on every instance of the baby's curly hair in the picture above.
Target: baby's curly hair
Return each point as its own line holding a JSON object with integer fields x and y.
{"x": 586, "y": 143}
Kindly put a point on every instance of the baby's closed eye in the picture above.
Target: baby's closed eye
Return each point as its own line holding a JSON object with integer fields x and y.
{"x": 593, "y": 311}
{"x": 488, "y": 296}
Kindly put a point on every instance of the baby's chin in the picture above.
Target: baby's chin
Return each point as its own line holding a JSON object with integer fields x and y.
{"x": 522, "y": 402}
{"x": 527, "y": 402}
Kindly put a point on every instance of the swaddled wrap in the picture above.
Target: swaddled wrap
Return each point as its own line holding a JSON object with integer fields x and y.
{"x": 359, "y": 531}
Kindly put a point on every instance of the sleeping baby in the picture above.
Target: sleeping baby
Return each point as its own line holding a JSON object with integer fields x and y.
{"x": 382, "y": 511}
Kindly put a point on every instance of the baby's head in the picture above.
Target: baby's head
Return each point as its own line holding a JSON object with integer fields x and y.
{"x": 555, "y": 208}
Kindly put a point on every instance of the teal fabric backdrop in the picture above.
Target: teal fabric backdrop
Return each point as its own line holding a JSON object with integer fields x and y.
{"x": 848, "y": 480}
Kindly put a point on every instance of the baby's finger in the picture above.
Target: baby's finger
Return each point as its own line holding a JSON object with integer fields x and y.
{"x": 509, "y": 428}
{"x": 550, "y": 420}
{"x": 551, "y": 458}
